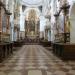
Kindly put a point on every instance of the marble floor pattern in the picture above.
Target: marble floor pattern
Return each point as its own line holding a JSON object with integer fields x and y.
{"x": 36, "y": 60}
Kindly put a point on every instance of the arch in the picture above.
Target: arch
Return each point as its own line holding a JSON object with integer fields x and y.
{"x": 72, "y": 22}
{"x": 36, "y": 9}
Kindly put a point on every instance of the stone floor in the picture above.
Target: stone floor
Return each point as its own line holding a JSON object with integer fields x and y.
{"x": 36, "y": 60}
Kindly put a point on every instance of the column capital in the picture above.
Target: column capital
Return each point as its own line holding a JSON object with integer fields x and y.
{"x": 65, "y": 7}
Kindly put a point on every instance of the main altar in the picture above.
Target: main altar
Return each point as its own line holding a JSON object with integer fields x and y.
{"x": 32, "y": 26}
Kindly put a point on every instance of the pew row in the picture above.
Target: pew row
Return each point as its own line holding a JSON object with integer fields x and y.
{"x": 18, "y": 43}
{"x": 6, "y": 49}
{"x": 46, "y": 43}
{"x": 64, "y": 50}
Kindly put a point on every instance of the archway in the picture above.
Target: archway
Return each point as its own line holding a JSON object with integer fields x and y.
{"x": 72, "y": 22}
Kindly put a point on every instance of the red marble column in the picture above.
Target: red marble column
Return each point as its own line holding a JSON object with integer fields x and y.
{"x": 8, "y": 24}
{"x": 0, "y": 23}
{"x": 0, "y": 20}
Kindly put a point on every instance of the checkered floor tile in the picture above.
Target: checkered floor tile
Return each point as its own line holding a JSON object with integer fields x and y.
{"x": 36, "y": 60}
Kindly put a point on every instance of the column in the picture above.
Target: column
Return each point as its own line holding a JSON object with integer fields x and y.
{"x": 65, "y": 9}
{"x": 0, "y": 24}
{"x": 8, "y": 24}
{"x": 57, "y": 27}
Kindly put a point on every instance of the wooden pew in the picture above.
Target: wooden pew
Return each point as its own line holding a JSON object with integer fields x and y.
{"x": 6, "y": 49}
{"x": 17, "y": 44}
{"x": 45, "y": 43}
{"x": 1, "y": 52}
{"x": 64, "y": 50}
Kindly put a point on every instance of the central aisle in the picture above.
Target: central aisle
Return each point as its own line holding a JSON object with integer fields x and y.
{"x": 35, "y": 60}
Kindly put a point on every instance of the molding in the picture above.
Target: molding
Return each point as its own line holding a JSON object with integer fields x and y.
{"x": 23, "y": 8}
{"x": 6, "y": 11}
{"x": 65, "y": 6}
{"x": 40, "y": 8}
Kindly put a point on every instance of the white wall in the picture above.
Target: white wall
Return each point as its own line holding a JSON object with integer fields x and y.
{"x": 72, "y": 22}
{"x": 22, "y": 20}
{"x": 12, "y": 20}
{"x": 72, "y": 31}
{"x": 15, "y": 36}
{"x": 49, "y": 35}
{"x": 42, "y": 23}
{"x": 53, "y": 5}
